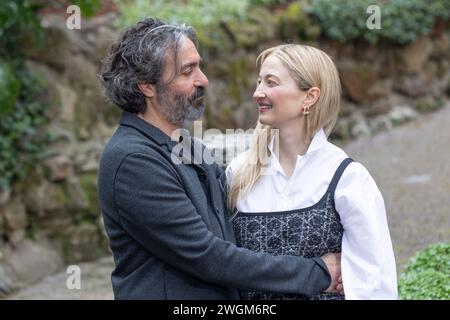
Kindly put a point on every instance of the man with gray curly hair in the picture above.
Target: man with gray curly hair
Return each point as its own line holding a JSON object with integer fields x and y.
{"x": 167, "y": 223}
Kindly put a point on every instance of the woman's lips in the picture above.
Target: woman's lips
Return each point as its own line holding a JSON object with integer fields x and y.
{"x": 264, "y": 108}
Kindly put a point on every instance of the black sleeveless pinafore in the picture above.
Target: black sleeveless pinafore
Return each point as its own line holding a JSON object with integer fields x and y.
{"x": 308, "y": 232}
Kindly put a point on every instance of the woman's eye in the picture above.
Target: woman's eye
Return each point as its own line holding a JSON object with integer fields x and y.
{"x": 271, "y": 83}
{"x": 187, "y": 72}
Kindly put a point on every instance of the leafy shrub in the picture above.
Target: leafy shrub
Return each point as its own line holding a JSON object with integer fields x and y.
{"x": 426, "y": 276}
{"x": 268, "y": 2}
{"x": 21, "y": 114}
{"x": 402, "y": 21}
{"x": 88, "y": 7}
{"x": 22, "y": 136}
{"x": 204, "y": 16}
{"x": 15, "y": 17}
{"x": 9, "y": 87}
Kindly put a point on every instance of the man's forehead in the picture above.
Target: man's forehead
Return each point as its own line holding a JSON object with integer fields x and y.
{"x": 187, "y": 56}
{"x": 188, "y": 52}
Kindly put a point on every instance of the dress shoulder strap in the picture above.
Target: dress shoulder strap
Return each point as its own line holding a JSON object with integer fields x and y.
{"x": 337, "y": 175}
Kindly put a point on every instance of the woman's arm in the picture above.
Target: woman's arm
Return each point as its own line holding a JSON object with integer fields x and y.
{"x": 367, "y": 261}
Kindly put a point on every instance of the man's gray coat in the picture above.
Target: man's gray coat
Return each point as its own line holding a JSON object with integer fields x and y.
{"x": 169, "y": 229}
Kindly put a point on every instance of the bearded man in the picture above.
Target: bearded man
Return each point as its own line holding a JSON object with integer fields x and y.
{"x": 167, "y": 222}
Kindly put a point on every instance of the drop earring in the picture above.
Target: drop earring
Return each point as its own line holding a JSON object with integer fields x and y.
{"x": 306, "y": 110}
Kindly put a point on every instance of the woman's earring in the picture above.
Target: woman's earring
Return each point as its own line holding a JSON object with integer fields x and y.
{"x": 306, "y": 110}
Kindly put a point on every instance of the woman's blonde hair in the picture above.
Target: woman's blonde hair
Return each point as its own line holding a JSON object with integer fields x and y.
{"x": 309, "y": 67}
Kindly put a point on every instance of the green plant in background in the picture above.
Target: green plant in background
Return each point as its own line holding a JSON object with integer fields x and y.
{"x": 340, "y": 20}
{"x": 427, "y": 274}
{"x": 204, "y": 16}
{"x": 9, "y": 87}
{"x": 440, "y": 8}
{"x": 88, "y": 7}
{"x": 199, "y": 13}
{"x": 15, "y": 17}
{"x": 20, "y": 112}
{"x": 268, "y": 2}
{"x": 22, "y": 137}
{"x": 294, "y": 22}
{"x": 402, "y": 21}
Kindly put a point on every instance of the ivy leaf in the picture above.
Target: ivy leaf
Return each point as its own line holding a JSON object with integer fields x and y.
{"x": 9, "y": 88}
{"x": 88, "y": 7}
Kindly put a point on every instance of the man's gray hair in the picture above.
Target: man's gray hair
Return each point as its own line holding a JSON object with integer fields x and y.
{"x": 140, "y": 56}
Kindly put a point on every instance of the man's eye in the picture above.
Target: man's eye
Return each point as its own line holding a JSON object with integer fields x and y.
{"x": 187, "y": 72}
{"x": 271, "y": 83}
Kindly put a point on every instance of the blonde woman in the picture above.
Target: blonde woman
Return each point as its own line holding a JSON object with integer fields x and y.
{"x": 295, "y": 193}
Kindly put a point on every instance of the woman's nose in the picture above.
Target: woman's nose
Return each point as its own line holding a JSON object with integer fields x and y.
{"x": 258, "y": 95}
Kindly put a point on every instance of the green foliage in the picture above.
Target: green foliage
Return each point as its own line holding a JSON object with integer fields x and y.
{"x": 268, "y": 2}
{"x": 9, "y": 87}
{"x": 341, "y": 20}
{"x": 198, "y": 13}
{"x": 402, "y": 21}
{"x": 426, "y": 276}
{"x": 22, "y": 136}
{"x": 88, "y": 8}
{"x": 21, "y": 113}
{"x": 204, "y": 16}
{"x": 21, "y": 132}
{"x": 16, "y": 17}
{"x": 294, "y": 22}
{"x": 440, "y": 8}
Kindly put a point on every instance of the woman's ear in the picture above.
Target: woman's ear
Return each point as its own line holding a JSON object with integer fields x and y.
{"x": 312, "y": 95}
{"x": 147, "y": 89}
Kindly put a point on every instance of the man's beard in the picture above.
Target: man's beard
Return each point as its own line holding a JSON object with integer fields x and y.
{"x": 179, "y": 109}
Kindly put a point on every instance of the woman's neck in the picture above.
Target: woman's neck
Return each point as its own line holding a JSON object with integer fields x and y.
{"x": 293, "y": 141}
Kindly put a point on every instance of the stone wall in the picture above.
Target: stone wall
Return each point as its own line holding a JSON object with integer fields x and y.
{"x": 52, "y": 217}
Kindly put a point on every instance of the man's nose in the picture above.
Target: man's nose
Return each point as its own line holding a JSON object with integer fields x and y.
{"x": 202, "y": 80}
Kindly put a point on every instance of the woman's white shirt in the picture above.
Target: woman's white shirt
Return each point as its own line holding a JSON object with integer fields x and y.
{"x": 367, "y": 258}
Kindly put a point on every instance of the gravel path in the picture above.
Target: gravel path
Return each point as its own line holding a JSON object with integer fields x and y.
{"x": 411, "y": 165}
{"x": 95, "y": 284}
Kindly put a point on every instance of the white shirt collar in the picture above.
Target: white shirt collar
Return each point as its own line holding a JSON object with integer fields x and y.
{"x": 319, "y": 141}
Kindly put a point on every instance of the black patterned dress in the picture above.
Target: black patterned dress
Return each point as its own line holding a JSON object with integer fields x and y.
{"x": 309, "y": 232}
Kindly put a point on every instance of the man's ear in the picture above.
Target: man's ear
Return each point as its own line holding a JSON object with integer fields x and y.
{"x": 147, "y": 89}
{"x": 312, "y": 95}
